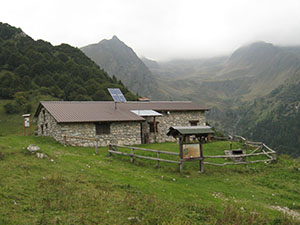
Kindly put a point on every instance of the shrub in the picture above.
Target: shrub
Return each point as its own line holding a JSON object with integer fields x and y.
{"x": 12, "y": 108}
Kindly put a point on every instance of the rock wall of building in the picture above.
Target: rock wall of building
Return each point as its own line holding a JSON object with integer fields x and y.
{"x": 47, "y": 125}
{"x": 122, "y": 133}
{"x": 176, "y": 118}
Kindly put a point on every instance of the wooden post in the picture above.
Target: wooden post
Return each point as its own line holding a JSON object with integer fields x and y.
{"x": 154, "y": 127}
{"x": 247, "y": 162}
{"x": 181, "y": 139}
{"x": 158, "y": 161}
{"x": 181, "y": 166}
{"x": 131, "y": 156}
{"x": 96, "y": 146}
{"x": 201, "y": 162}
{"x": 109, "y": 148}
{"x": 29, "y": 126}
{"x": 201, "y": 165}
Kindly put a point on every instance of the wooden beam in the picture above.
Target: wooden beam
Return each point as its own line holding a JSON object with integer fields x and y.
{"x": 236, "y": 163}
{"x": 143, "y": 157}
{"x": 235, "y": 156}
{"x": 148, "y": 150}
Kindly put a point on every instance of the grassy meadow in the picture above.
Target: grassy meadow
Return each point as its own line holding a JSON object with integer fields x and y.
{"x": 76, "y": 186}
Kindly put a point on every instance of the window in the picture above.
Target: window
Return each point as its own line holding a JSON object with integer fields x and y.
{"x": 44, "y": 116}
{"x": 194, "y": 122}
{"x": 151, "y": 127}
{"x": 102, "y": 128}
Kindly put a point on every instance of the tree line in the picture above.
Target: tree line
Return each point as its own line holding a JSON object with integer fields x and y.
{"x": 29, "y": 68}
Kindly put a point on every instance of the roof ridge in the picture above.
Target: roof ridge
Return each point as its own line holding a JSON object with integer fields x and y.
{"x": 118, "y": 102}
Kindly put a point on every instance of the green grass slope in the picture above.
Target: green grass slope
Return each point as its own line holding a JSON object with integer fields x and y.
{"x": 9, "y": 124}
{"x": 75, "y": 186}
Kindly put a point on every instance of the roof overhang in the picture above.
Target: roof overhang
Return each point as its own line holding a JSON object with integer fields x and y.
{"x": 145, "y": 113}
{"x": 192, "y": 130}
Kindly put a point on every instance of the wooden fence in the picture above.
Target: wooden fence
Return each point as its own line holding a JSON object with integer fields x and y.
{"x": 260, "y": 150}
{"x": 113, "y": 149}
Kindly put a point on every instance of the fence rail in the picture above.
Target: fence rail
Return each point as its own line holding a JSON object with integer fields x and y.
{"x": 148, "y": 150}
{"x": 259, "y": 146}
{"x": 113, "y": 149}
{"x": 261, "y": 149}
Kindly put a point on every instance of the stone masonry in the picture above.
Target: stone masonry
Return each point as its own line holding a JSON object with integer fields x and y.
{"x": 175, "y": 118}
{"x": 123, "y": 133}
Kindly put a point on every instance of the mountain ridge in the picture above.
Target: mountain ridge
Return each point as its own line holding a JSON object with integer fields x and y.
{"x": 36, "y": 69}
{"x": 248, "y": 91}
{"x": 119, "y": 60}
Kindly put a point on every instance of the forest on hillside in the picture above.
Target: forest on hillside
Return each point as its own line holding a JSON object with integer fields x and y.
{"x": 274, "y": 119}
{"x": 32, "y": 68}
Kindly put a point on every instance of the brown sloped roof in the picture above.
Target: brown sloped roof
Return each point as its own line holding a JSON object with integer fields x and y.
{"x": 164, "y": 106}
{"x": 92, "y": 111}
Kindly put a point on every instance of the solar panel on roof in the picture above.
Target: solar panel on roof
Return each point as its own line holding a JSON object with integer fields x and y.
{"x": 117, "y": 95}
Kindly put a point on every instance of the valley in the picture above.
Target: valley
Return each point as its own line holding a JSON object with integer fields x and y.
{"x": 245, "y": 90}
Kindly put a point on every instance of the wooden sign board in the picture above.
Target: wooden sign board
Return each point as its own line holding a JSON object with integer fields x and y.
{"x": 26, "y": 122}
{"x": 190, "y": 151}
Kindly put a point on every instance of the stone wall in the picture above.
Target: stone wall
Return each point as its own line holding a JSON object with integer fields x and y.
{"x": 47, "y": 125}
{"x": 175, "y": 118}
{"x": 122, "y": 133}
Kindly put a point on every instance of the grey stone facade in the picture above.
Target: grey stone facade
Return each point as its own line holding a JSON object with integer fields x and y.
{"x": 174, "y": 118}
{"x": 123, "y": 133}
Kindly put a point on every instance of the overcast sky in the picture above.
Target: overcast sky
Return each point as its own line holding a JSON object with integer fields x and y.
{"x": 159, "y": 29}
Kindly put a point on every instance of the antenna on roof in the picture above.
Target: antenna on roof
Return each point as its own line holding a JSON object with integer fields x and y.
{"x": 117, "y": 95}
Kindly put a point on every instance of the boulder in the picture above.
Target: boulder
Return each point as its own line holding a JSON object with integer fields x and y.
{"x": 33, "y": 148}
{"x": 41, "y": 155}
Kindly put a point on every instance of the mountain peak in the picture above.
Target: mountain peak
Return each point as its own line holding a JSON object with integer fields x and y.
{"x": 255, "y": 52}
{"x": 115, "y": 38}
{"x": 119, "y": 60}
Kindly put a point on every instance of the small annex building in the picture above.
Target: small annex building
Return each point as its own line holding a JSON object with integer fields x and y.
{"x": 124, "y": 123}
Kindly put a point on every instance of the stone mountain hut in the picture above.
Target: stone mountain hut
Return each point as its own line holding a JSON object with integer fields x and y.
{"x": 125, "y": 123}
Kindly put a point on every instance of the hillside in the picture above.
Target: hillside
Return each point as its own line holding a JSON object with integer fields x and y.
{"x": 30, "y": 68}
{"x": 251, "y": 71}
{"x": 263, "y": 66}
{"x": 119, "y": 60}
{"x": 275, "y": 118}
{"x": 75, "y": 186}
{"x": 240, "y": 90}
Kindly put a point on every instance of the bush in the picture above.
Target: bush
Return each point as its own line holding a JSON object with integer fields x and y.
{"x": 27, "y": 108}
{"x": 12, "y": 108}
